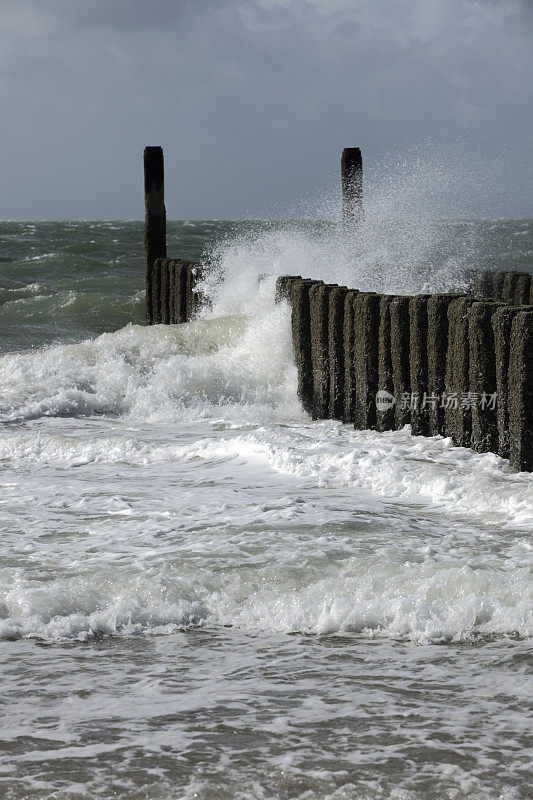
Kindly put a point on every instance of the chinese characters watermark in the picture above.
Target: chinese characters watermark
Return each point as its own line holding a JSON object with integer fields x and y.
{"x": 412, "y": 401}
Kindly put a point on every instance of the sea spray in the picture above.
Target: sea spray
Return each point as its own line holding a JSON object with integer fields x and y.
{"x": 411, "y": 239}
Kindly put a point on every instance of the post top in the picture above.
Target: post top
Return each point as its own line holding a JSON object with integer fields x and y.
{"x": 352, "y": 153}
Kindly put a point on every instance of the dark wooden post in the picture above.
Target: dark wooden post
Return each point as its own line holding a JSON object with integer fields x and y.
{"x": 155, "y": 222}
{"x": 352, "y": 185}
{"x": 520, "y": 389}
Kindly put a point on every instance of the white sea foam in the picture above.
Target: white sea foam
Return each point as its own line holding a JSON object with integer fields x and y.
{"x": 303, "y": 527}
{"x": 430, "y": 597}
{"x": 253, "y": 463}
{"x": 30, "y": 288}
{"x": 157, "y": 373}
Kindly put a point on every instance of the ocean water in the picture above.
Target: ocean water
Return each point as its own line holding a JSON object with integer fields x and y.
{"x": 203, "y": 594}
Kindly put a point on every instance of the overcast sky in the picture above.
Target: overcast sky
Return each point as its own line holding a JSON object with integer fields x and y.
{"x": 253, "y": 101}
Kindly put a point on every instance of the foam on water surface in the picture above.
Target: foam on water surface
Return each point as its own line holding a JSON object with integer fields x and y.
{"x": 155, "y": 373}
{"x": 282, "y": 527}
{"x": 211, "y": 405}
{"x": 205, "y": 594}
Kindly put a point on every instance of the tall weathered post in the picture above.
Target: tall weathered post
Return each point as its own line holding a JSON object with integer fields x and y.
{"x": 352, "y": 186}
{"x": 155, "y": 226}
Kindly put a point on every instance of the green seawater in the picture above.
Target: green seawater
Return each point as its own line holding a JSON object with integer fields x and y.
{"x": 68, "y": 281}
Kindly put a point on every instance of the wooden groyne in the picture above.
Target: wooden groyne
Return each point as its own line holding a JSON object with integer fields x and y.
{"x": 456, "y": 365}
{"x": 506, "y": 287}
{"x": 447, "y": 364}
{"x": 170, "y": 282}
{"x": 170, "y": 290}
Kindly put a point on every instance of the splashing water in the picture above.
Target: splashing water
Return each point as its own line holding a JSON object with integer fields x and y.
{"x": 408, "y": 242}
{"x": 205, "y": 594}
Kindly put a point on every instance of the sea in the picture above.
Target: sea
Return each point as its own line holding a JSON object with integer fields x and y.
{"x": 204, "y": 593}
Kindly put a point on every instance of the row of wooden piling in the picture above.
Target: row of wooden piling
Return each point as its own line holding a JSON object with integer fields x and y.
{"x": 170, "y": 294}
{"x": 445, "y": 364}
{"x": 515, "y": 288}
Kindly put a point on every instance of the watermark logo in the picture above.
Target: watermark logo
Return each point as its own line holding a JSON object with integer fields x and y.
{"x": 384, "y": 400}
{"x": 411, "y": 401}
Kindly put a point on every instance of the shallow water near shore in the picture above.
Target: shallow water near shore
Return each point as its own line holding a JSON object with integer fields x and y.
{"x": 203, "y": 594}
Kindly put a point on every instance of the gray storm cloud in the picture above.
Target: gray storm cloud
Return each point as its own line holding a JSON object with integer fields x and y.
{"x": 253, "y": 100}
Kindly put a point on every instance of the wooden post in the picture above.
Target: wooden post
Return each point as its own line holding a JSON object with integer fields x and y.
{"x": 418, "y": 361}
{"x": 155, "y": 227}
{"x": 301, "y": 339}
{"x": 458, "y": 412}
{"x": 319, "y": 317}
{"x": 366, "y": 352}
{"x": 400, "y": 348}
{"x": 385, "y": 415}
{"x": 352, "y": 186}
{"x": 337, "y": 370}
{"x": 520, "y": 389}
{"x": 437, "y": 344}
{"x": 349, "y": 356}
{"x": 482, "y": 376}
